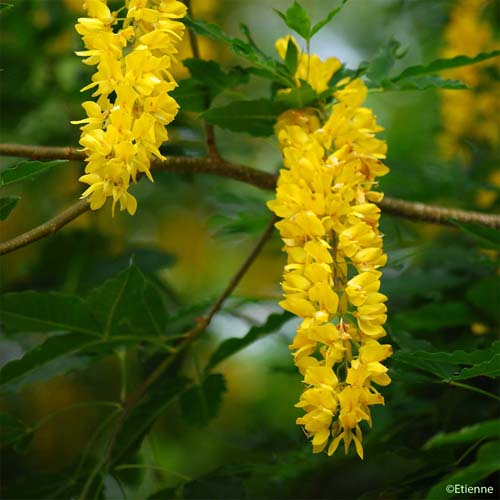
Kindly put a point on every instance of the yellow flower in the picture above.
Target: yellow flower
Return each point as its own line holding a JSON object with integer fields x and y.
{"x": 469, "y": 114}
{"x": 330, "y": 225}
{"x": 126, "y": 126}
{"x": 310, "y": 68}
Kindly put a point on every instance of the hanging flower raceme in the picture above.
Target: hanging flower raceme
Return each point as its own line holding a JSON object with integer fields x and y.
{"x": 330, "y": 229}
{"x": 470, "y": 114}
{"x": 125, "y": 126}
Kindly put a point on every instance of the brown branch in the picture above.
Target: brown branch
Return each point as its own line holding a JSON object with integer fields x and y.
{"x": 41, "y": 152}
{"x": 438, "y": 215}
{"x": 203, "y": 322}
{"x": 176, "y": 164}
{"x": 46, "y": 229}
{"x": 217, "y": 166}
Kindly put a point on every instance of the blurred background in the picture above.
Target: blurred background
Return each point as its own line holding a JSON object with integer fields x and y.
{"x": 191, "y": 233}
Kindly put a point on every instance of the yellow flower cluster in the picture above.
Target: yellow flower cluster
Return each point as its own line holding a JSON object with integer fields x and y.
{"x": 126, "y": 125}
{"x": 310, "y": 67}
{"x": 469, "y": 114}
{"x": 334, "y": 248}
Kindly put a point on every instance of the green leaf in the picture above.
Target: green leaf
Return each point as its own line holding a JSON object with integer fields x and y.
{"x": 411, "y": 343}
{"x": 265, "y": 65}
{"x": 246, "y": 31}
{"x": 46, "y": 485}
{"x": 5, "y": 7}
{"x": 383, "y": 61}
{"x": 291, "y": 57}
{"x": 457, "y": 357}
{"x": 142, "y": 417}
{"x": 231, "y": 346}
{"x": 298, "y": 97}
{"x": 201, "y": 402}
{"x": 488, "y": 237}
{"x": 46, "y": 312}
{"x": 423, "y": 83}
{"x": 485, "y": 295}
{"x": 485, "y": 464}
{"x": 433, "y": 317}
{"x": 54, "y": 348}
{"x": 468, "y": 434}
{"x": 490, "y": 368}
{"x": 217, "y": 485}
{"x": 402, "y": 373}
{"x": 210, "y": 75}
{"x": 327, "y": 19}
{"x": 7, "y": 204}
{"x": 13, "y": 432}
{"x": 190, "y": 95}
{"x": 155, "y": 309}
{"x": 26, "y": 170}
{"x": 443, "y": 64}
{"x": 254, "y": 117}
{"x": 441, "y": 371}
{"x": 297, "y": 19}
{"x": 164, "y": 494}
{"x": 101, "y": 266}
{"x": 448, "y": 366}
{"x": 120, "y": 307}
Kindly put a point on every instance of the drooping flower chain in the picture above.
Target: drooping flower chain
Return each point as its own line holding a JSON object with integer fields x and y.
{"x": 126, "y": 125}
{"x": 471, "y": 113}
{"x": 334, "y": 248}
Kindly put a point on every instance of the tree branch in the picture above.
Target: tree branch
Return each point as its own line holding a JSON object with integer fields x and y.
{"x": 217, "y": 166}
{"x": 45, "y": 229}
{"x": 205, "y": 321}
{"x": 135, "y": 397}
{"x": 438, "y": 215}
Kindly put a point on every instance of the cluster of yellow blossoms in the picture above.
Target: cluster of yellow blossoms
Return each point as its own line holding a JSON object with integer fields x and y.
{"x": 469, "y": 114}
{"x": 309, "y": 66}
{"x": 334, "y": 248}
{"x": 126, "y": 125}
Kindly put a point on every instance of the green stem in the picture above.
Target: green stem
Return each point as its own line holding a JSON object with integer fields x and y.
{"x": 122, "y": 359}
{"x": 468, "y": 450}
{"x": 152, "y": 467}
{"x": 88, "y": 404}
{"x": 474, "y": 389}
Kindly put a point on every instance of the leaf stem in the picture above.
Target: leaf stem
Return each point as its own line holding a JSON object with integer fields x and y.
{"x": 86, "y": 404}
{"x": 152, "y": 467}
{"x": 474, "y": 389}
{"x": 122, "y": 360}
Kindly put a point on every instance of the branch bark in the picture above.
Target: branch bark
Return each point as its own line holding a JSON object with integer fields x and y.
{"x": 218, "y": 166}
{"x": 46, "y": 229}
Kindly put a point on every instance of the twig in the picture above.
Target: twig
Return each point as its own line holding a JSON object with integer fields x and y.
{"x": 437, "y": 215}
{"x": 176, "y": 164}
{"x": 209, "y": 129}
{"x": 203, "y": 322}
{"x": 218, "y": 166}
{"x": 47, "y": 228}
{"x": 41, "y": 152}
{"x": 190, "y": 336}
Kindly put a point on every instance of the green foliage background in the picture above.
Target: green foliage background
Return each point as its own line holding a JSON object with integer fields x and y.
{"x": 90, "y": 312}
